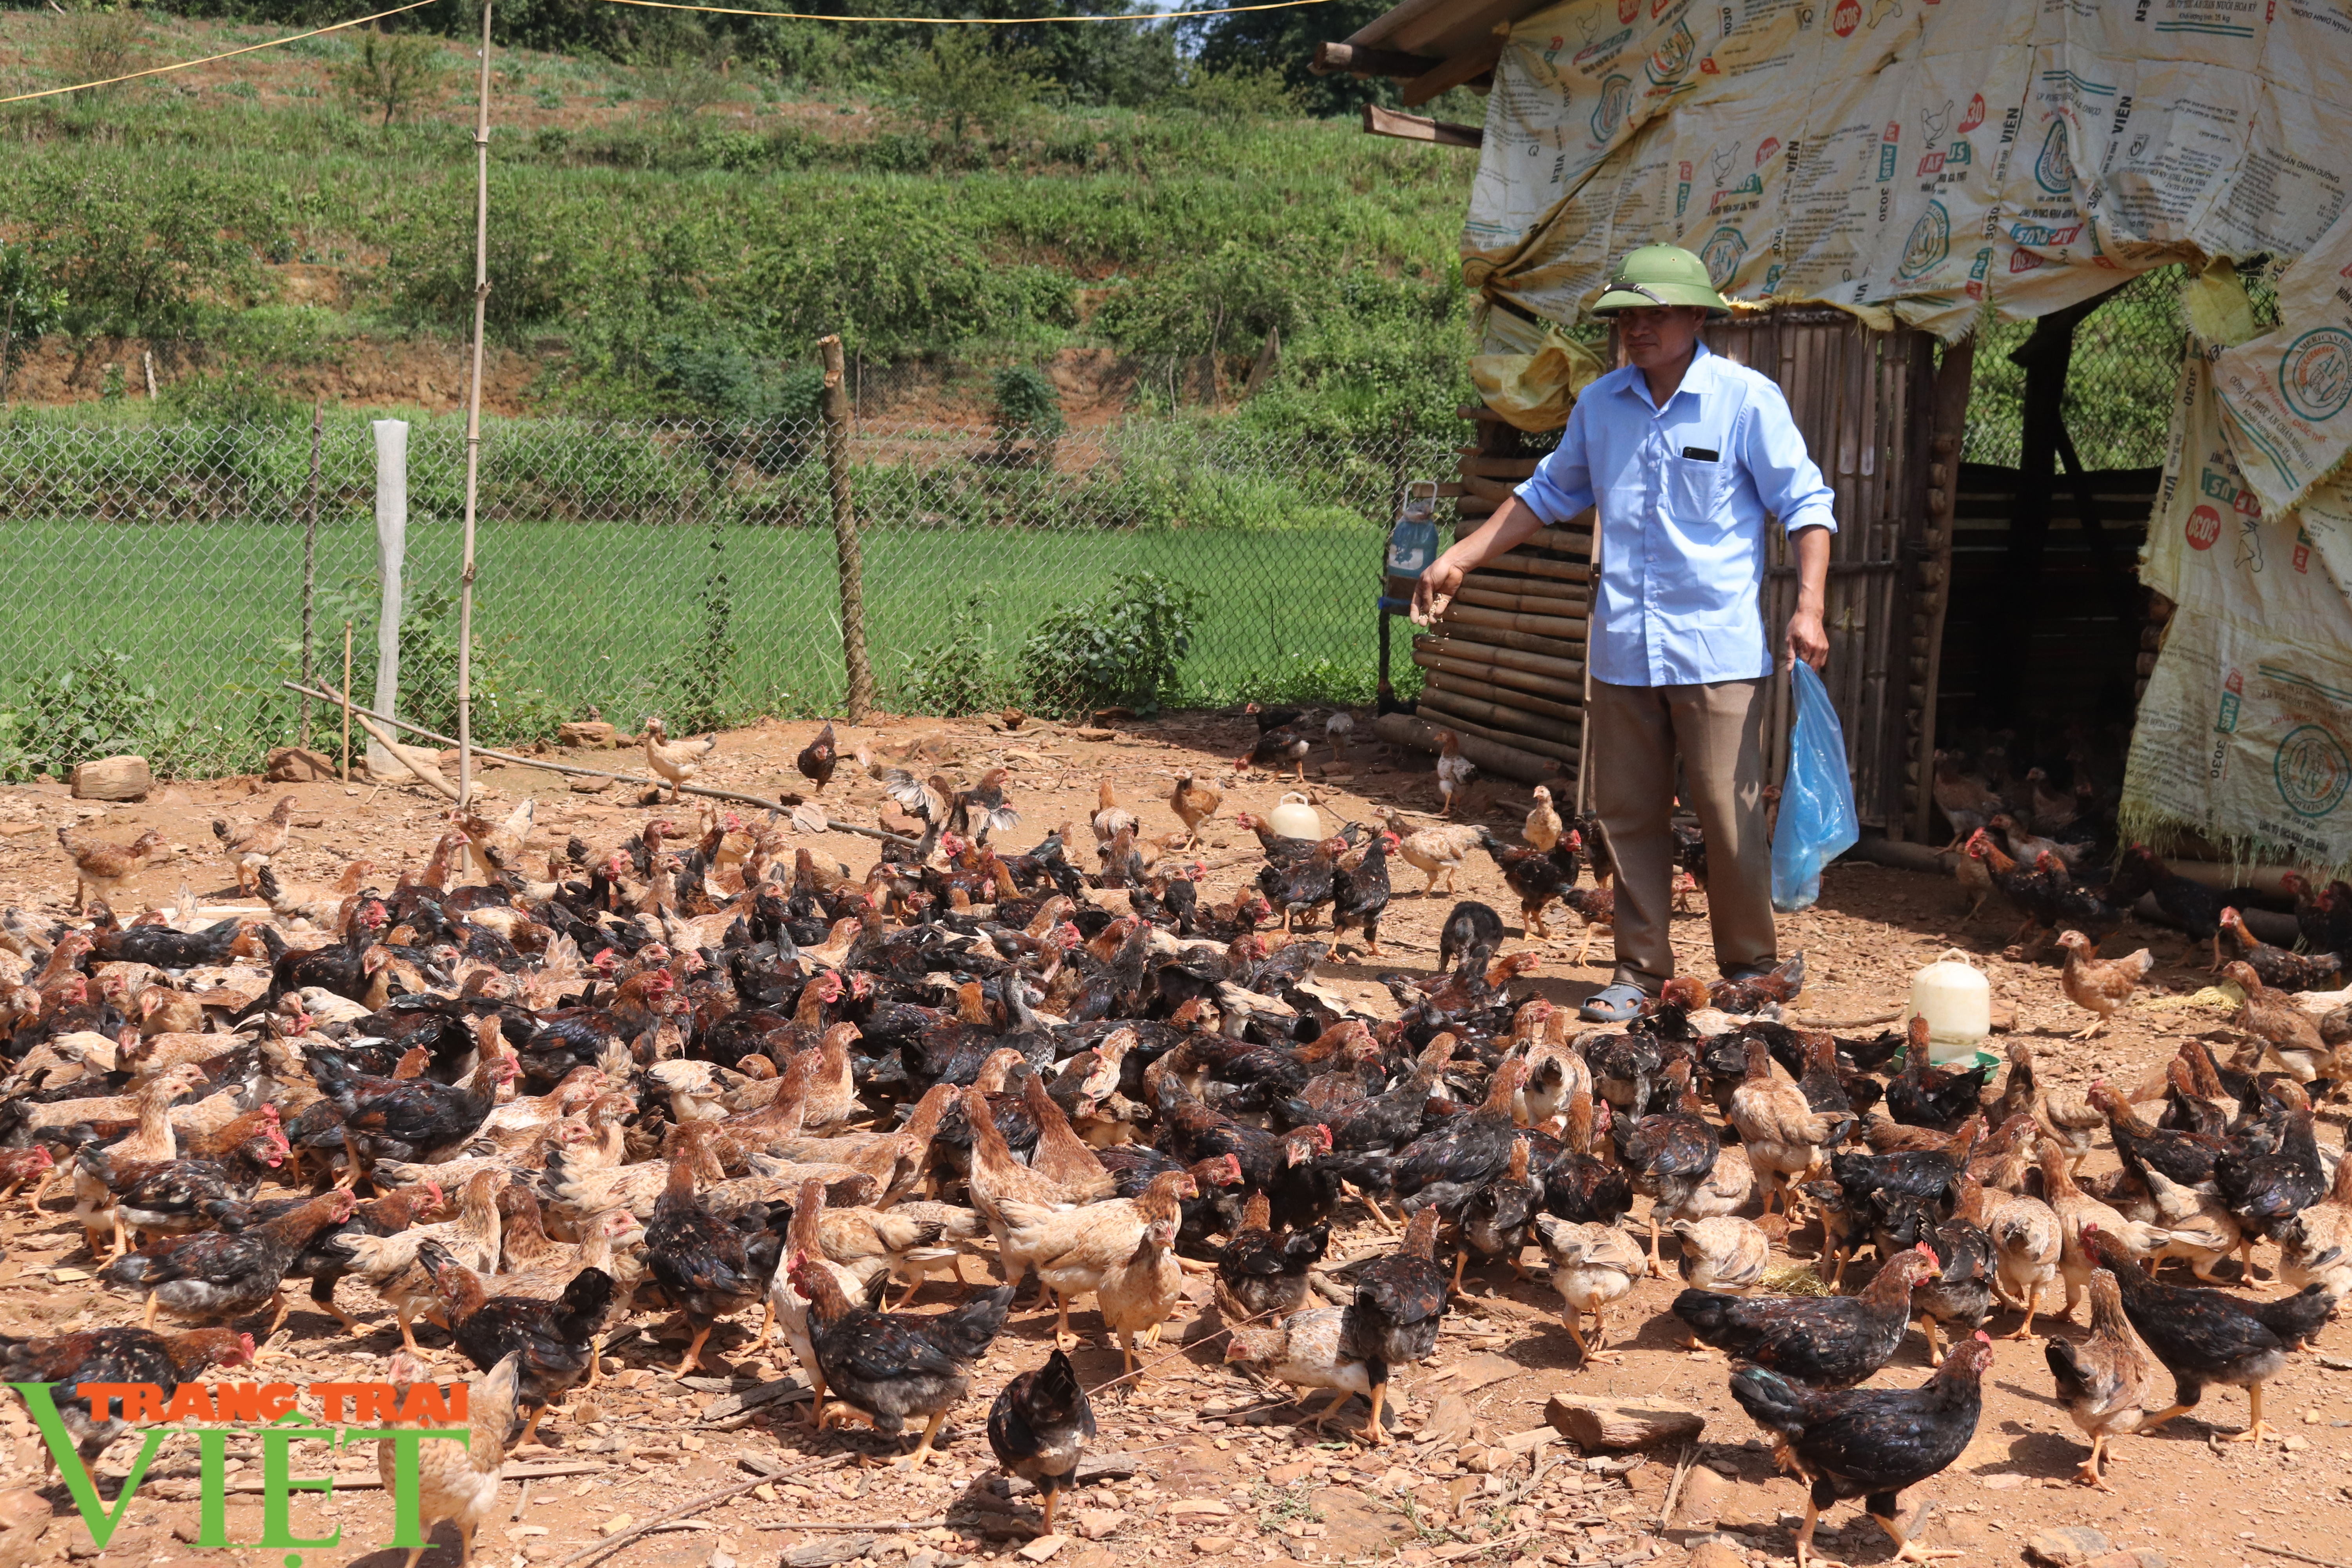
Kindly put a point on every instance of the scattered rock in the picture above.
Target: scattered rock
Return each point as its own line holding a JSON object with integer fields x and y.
{"x": 299, "y": 764}
{"x": 617, "y": 1523}
{"x": 592, "y": 734}
{"x": 2068, "y": 1546}
{"x": 1287, "y": 1475}
{"x": 1714, "y": 1552}
{"x": 2130, "y": 1557}
{"x": 1043, "y": 1547}
{"x": 1704, "y": 1493}
{"x": 1198, "y": 1505}
{"x": 583, "y": 785}
{"x": 112, "y": 778}
{"x": 1591, "y": 1422}
{"x": 1212, "y": 1545}
{"x": 1095, "y": 1523}
{"x": 825, "y": 1554}
{"x": 1449, "y": 1420}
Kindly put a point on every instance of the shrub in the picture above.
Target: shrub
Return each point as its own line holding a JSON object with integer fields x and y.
{"x": 962, "y": 83}
{"x": 958, "y": 674}
{"x": 87, "y": 709}
{"x": 1121, "y": 648}
{"x": 236, "y": 396}
{"x": 98, "y": 42}
{"x": 1239, "y": 94}
{"x": 390, "y": 71}
{"x": 1028, "y": 405}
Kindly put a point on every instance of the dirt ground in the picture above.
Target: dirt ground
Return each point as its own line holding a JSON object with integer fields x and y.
{"x": 1219, "y": 1469}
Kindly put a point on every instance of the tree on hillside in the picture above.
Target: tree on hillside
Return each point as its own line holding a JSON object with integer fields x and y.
{"x": 98, "y": 43}
{"x": 392, "y": 71}
{"x": 31, "y": 307}
{"x": 1284, "y": 41}
{"x": 962, "y": 83}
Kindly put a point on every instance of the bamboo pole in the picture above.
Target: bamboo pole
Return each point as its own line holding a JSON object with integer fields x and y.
{"x": 1485, "y": 597}
{"x": 1502, "y": 760}
{"x": 1526, "y": 642}
{"x": 859, "y": 674}
{"x": 541, "y": 762}
{"x": 1519, "y": 564}
{"x": 1953, "y": 378}
{"x": 1549, "y": 686}
{"x": 8, "y": 342}
{"x": 346, "y": 701}
{"x": 474, "y": 418}
{"x": 1563, "y": 758}
{"x": 310, "y": 559}
{"x": 1532, "y": 664}
{"x": 1521, "y": 714}
{"x": 1559, "y": 627}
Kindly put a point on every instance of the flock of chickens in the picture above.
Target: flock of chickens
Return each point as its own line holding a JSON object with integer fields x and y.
{"x": 701, "y": 1072}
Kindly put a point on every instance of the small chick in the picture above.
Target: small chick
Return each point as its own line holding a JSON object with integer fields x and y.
{"x": 1542, "y": 830}
{"x": 2099, "y": 986}
{"x": 1338, "y": 729}
{"x": 1592, "y": 1266}
{"x": 1454, "y": 770}
{"x": 1194, "y": 804}
{"x": 1303, "y": 1350}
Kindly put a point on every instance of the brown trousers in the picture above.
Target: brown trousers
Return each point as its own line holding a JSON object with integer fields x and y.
{"x": 1719, "y": 731}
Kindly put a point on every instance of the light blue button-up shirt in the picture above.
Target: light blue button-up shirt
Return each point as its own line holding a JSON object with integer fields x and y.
{"x": 1683, "y": 493}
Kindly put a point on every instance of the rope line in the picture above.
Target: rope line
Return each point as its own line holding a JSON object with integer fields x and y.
{"x": 679, "y": 5}
{"x": 249, "y": 48}
{"x": 967, "y": 21}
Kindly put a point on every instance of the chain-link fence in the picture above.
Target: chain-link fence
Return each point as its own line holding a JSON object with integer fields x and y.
{"x": 2120, "y": 381}
{"x": 680, "y": 568}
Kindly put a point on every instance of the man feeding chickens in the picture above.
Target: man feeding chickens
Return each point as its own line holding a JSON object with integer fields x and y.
{"x": 1686, "y": 455}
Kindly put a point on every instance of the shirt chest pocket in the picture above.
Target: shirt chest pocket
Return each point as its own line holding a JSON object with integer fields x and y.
{"x": 1694, "y": 489}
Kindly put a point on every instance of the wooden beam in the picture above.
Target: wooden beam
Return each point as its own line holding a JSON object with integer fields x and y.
{"x": 1381, "y": 122}
{"x": 1499, "y": 758}
{"x": 1437, "y": 708}
{"x": 1475, "y": 62}
{"x": 1358, "y": 59}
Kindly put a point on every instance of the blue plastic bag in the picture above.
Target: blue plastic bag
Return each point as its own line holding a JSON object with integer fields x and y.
{"x": 1817, "y": 818}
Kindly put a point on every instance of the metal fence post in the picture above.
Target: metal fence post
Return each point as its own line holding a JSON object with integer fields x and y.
{"x": 860, "y": 697}
{"x": 391, "y": 550}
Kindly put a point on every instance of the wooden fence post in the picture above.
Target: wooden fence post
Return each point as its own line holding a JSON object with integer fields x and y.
{"x": 860, "y": 697}
{"x": 311, "y": 554}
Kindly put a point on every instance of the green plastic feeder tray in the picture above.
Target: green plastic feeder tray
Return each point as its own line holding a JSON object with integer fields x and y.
{"x": 1985, "y": 1058}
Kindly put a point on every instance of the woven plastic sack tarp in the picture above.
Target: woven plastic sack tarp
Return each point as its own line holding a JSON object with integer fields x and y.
{"x": 1817, "y": 817}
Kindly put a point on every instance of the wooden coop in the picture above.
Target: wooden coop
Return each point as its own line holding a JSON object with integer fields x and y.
{"x": 1504, "y": 667}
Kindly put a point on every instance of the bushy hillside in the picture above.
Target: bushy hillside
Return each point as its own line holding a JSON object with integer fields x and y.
{"x": 677, "y": 216}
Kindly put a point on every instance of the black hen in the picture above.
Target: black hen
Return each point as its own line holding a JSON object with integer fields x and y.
{"x": 2209, "y": 1336}
{"x": 556, "y": 1339}
{"x": 700, "y": 1260}
{"x": 1870, "y": 1443}
{"x": 1039, "y": 1426}
{"x": 1394, "y": 1320}
{"x": 1262, "y": 1272}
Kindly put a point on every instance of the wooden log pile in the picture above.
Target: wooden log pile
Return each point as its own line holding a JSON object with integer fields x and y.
{"x": 1505, "y": 665}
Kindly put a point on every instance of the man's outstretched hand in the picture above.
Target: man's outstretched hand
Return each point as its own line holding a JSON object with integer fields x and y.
{"x": 1440, "y": 580}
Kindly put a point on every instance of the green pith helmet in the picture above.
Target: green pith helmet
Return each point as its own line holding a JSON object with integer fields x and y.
{"x": 1660, "y": 275}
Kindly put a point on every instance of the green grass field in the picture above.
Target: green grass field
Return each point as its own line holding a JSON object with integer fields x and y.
{"x": 601, "y": 612}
